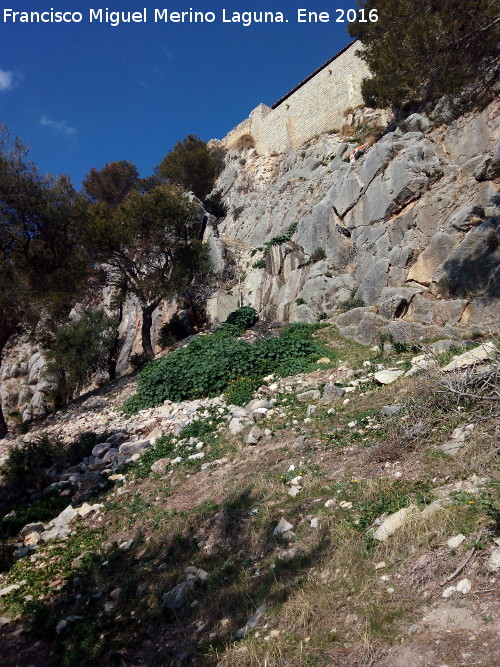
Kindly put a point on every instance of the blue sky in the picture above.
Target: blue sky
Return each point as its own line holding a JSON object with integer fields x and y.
{"x": 81, "y": 95}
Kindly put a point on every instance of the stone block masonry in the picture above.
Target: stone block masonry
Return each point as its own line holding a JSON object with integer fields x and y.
{"x": 315, "y": 106}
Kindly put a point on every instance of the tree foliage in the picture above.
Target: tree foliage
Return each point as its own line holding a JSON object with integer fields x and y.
{"x": 192, "y": 166}
{"x": 81, "y": 348}
{"x": 112, "y": 183}
{"x": 42, "y": 262}
{"x": 150, "y": 242}
{"x": 420, "y": 51}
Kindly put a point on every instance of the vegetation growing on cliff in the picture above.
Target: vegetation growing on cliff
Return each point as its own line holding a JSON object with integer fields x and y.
{"x": 418, "y": 52}
{"x": 209, "y": 365}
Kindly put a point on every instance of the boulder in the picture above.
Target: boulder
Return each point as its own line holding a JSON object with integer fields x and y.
{"x": 255, "y": 435}
{"x": 394, "y": 301}
{"x": 177, "y": 596}
{"x": 440, "y": 247}
{"x": 391, "y": 524}
{"x": 37, "y": 527}
{"x": 417, "y": 123}
{"x": 391, "y": 410}
{"x": 160, "y": 466}
{"x": 130, "y": 448}
{"x": 387, "y": 376}
{"x": 282, "y": 527}
{"x": 470, "y": 265}
{"x": 235, "y": 426}
{"x": 331, "y": 393}
{"x": 307, "y": 396}
{"x": 472, "y": 357}
{"x": 457, "y": 439}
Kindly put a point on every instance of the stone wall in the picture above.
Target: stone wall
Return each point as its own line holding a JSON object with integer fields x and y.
{"x": 315, "y": 106}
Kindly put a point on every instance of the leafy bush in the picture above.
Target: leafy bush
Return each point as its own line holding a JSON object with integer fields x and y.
{"x": 240, "y": 391}
{"x": 208, "y": 365}
{"x": 192, "y": 165}
{"x": 299, "y": 330}
{"x": 237, "y": 211}
{"x": 138, "y": 360}
{"x": 318, "y": 255}
{"x": 349, "y": 304}
{"x": 244, "y": 318}
{"x": 259, "y": 264}
{"x": 80, "y": 349}
{"x": 283, "y": 238}
{"x": 27, "y": 465}
{"x": 300, "y": 301}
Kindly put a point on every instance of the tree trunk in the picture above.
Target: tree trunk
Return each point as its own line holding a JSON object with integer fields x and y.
{"x": 147, "y": 321}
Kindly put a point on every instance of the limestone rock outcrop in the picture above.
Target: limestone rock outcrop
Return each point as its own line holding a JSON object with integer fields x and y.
{"x": 409, "y": 233}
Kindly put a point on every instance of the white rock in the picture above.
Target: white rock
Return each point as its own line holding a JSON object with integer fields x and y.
{"x": 472, "y": 357}
{"x": 61, "y": 625}
{"x": 448, "y": 592}
{"x": 493, "y": 563}
{"x": 456, "y": 541}
{"x": 387, "y": 377}
{"x": 235, "y": 426}
{"x": 315, "y": 522}
{"x": 389, "y": 526}
{"x": 464, "y": 586}
{"x": 9, "y": 589}
{"x": 199, "y": 455}
{"x": 282, "y": 527}
{"x": 329, "y": 503}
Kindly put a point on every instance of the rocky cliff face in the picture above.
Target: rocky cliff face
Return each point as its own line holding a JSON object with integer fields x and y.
{"x": 411, "y": 229}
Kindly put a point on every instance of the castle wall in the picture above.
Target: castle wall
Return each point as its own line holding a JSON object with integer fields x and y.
{"x": 316, "y": 106}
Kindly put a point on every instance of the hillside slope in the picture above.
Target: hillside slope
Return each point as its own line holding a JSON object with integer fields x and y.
{"x": 347, "y": 516}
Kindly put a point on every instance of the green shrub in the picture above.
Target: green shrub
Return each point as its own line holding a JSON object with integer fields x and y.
{"x": 80, "y": 349}
{"x": 349, "y": 304}
{"x": 299, "y": 330}
{"x": 240, "y": 391}
{"x": 208, "y": 364}
{"x": 228, "y": 331}
{"x": 138, "y": 360}
{"x": 244, "y": 318}
{"x": 259, "y": 264}
{"x": 300, "y": 301}
{"x": 237, "y": 211}
{"x": 283, "y": 238}
{"x": 27, "y": 464}
{"x": 318, "y": 255}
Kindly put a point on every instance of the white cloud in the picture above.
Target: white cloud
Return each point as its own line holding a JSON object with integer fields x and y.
{"x": 6, "y": 80}
{"x": 58, "y": 125}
